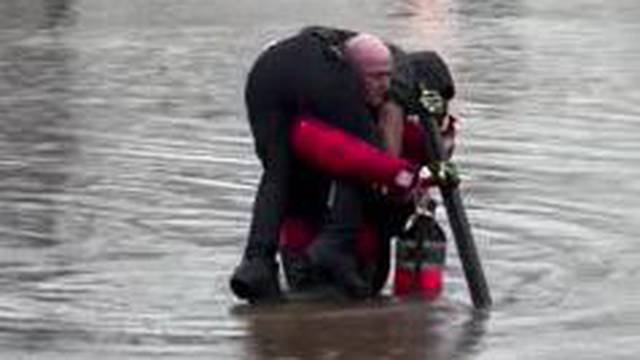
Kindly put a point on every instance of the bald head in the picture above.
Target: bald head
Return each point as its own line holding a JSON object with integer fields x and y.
{"x": 366, "y": 50}
{"x": 371, "y": 58}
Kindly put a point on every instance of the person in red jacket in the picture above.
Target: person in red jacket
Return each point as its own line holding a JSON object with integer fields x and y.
{"x": 344, "y": 156}
{"x": 338, "y": 78}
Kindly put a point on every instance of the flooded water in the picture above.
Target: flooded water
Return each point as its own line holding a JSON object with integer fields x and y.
{"x": 127, "y": 174}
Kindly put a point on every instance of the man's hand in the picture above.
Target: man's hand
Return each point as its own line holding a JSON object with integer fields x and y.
{"x": 445, "y": 174}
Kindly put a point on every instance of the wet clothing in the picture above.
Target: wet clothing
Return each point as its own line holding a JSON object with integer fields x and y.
{"x": 306, "y": 75}
{"x": 337, "y": 154}
{"x": 346, "y": 157}
{"x": 302, "y": 75}
{"x": 349, "y": 160}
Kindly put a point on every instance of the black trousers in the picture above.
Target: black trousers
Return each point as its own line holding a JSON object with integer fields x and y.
{"x": 302, "y": 75}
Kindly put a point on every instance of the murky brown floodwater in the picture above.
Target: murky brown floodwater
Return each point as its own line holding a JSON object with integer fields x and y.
{"x": 127, "y": 175}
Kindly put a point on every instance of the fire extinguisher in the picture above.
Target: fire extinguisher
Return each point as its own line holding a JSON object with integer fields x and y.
{"x": 420, "y": 254}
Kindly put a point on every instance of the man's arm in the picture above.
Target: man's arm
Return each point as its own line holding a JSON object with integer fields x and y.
{"x": 391, "y": 127}
{"x": 403, "y": 136}
{"x": 340, "y": 154}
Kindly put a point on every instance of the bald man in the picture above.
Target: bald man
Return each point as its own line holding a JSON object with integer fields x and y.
{"x": 338, "y": 77}
{"x": 371, "y": 58}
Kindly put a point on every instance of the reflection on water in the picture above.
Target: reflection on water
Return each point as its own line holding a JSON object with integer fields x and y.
{"x": 35, "y": 87}
{"x": 127, "y": 175}
{"x": 32, "y": 15}
{"x": 403, "y": 330}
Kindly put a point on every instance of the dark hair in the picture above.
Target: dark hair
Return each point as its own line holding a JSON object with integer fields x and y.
{"x": 429, "y": 68}
{"x": 411, "y": 69}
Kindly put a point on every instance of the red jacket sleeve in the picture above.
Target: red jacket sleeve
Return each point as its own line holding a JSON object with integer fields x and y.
{"x": 340, "y": 154}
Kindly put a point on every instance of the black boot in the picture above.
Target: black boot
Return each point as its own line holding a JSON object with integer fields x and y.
{"x": 329, "y": 257}
{"x": 256, "y": 280}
